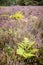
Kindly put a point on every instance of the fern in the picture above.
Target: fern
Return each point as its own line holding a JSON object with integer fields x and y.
{"x": 17, "y": 16}
{"x": 25, "y": 48}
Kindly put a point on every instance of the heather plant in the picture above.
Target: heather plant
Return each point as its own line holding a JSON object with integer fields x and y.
{"x": 40, "y": 55}
{"x": 12, "y": 32}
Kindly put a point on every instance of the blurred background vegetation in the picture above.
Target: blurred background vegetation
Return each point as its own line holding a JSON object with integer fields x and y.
{"x": 20, "y": 2}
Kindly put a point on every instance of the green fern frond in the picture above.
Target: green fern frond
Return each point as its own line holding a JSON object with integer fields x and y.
{"x": 25, "y": 48}
{"x": 17, "y": 16}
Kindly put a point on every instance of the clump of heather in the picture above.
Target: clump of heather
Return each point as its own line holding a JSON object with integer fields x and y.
{"x": 13, "y": 31}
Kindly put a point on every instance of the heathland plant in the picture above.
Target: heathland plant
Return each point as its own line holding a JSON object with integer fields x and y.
{"x": 25, "y": 48}
{"x": 17, "y": 16}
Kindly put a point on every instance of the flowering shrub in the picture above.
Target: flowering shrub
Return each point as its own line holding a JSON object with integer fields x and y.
{"x": 12, "y": 32}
